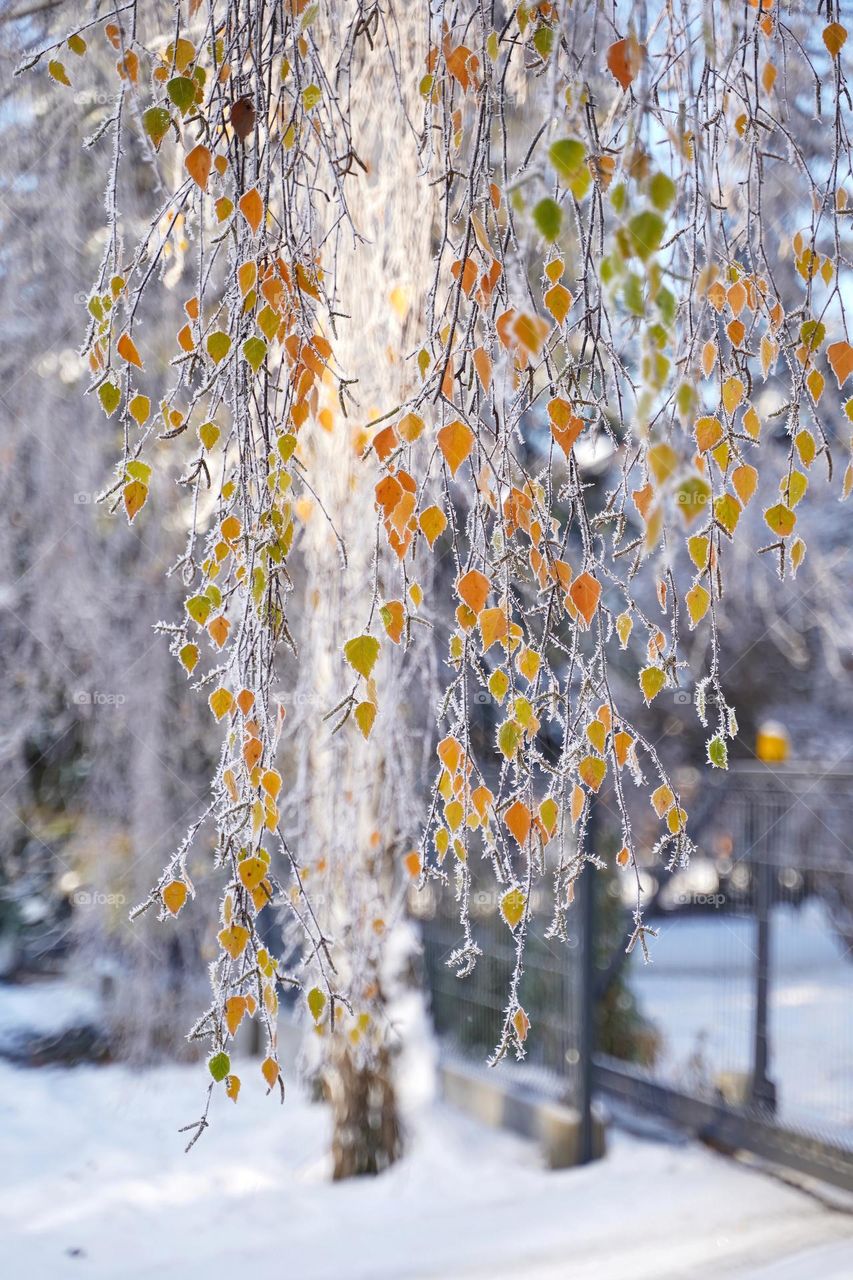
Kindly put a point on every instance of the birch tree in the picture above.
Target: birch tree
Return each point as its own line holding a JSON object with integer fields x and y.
{"x": 612, "y": 266}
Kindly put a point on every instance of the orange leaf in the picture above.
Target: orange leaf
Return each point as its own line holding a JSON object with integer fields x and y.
{"x": 840, "y": 357}
{"x": 565, "y": 425}
{"x": 252, "y": 209}
{"x": 517, "y": 819}
{"x": 623, "y": 60}
{"x": 585, "y": 593}
{"x": 393, "y": 616}
{"x": 197, "y": 166}
{"x": 126, "y": 348}
{"x": 483, "y": 365}
{"x": 235, "y": 1011}
{"x": 134, "y": 495}
{"x": 455, "y": 442}
{"x": 474, "y": 587}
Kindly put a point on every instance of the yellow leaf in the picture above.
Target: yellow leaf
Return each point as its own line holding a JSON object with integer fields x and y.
{"x": 521, "y": 1024}
{"x": 433, "y": 522}
{"x": 232, "y": 1087}
{"x": 251, "y": 872}
{"x": 597, "y": 734}
{"x": 134, "y": 495}
{"x": 709, "y": 433}
{"x": 174, "y": 895}
{"x": 733, "y": 392}
{"x": 365, "y": 715}
{"x": 139, "y": 409}
{"x": 513, "y": 905}
{"x": 233, "y": 939}
{"x": 549, "y": 813}
{"x": 662, "y": 800}
{"x": 361, "y": 653}
{"x": 652, "y": 680}
{"x": 780, "y": 519}
{"x": 752, "y": 422}
{"x": 591, "y": 771}
{"x": 578, "y": 802}
{"x": 316, "y": 1003}
{"x": 498, "y": 684}
{"x": 558, "y": 300}
{"x": 455, "y": 441}
{"x": 697, "y": 601}
{"x": 221, "y": 701}
{"x": 271, "y": 1071}
{"x": 624, "y": 627}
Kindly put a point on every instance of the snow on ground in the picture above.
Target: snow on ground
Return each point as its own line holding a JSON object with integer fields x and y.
{"x": 94, "y": 1184}
{"x": 699, "y": 992}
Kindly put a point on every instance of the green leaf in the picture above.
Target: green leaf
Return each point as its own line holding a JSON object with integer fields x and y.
{"x": 155, "y": 122}
{"x": 199, "y": 608}
{"x": 139, "y": 470}
{"x": 661, "y": 191}
{"x": 218, "y": 346}
{"x": 361, "y": 653}
{"x": 219, "y": 1066}
{"x": 646, "y": 232}
{"x": 543, "y": 42}
{"x": 182, "y": 92}
{"x": 316, "y": 1003}
{"x": 718, "y": 754}
{"x": 255, "y": 349}
{"x": 110, "y": 397}
{"x": 510, "y": 735}
{"x": 567, "y": 156}
{"x": 548, "y": 217}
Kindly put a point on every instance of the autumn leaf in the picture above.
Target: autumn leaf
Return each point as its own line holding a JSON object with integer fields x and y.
{"x": 518, "y": 821}
{"x": 252, "y": 208}
{"x": 198, "y": 164}
{"x": 474, "y": 587}
{"x": 624, "y": 59}
{"x": 840, "y": 357}
{"x": 513, "y": 905}
{"x": 174, "y": 895}
{"x": 361, "y": 653}
{"x": 585, "y": 593}
{"x": 455, "y": 442}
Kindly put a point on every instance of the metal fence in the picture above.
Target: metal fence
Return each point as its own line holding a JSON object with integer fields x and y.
{"x": 744, "y": 1018}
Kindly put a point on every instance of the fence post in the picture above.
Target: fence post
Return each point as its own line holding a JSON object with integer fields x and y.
{"x": 586, "y": 1022}
{"x": 763, "y": 1090}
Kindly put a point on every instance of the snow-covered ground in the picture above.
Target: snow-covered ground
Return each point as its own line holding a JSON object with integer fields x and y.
{"x": 698, "y": 991}
{"x": 94, "y": 1183}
